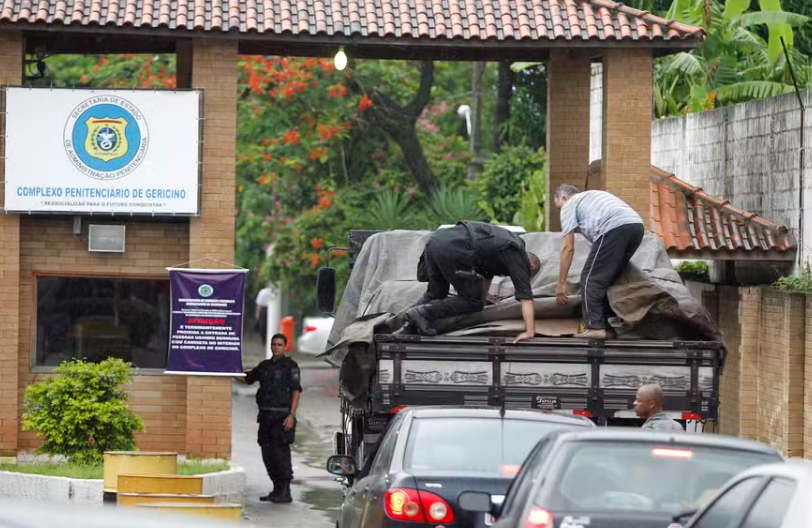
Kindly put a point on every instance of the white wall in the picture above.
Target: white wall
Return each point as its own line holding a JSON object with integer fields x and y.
{"x": 748, "y": 154}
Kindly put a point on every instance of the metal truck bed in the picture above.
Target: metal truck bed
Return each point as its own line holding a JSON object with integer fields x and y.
{"x": 597, "y": 379}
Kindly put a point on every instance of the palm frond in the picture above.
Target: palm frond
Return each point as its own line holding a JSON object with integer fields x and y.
{"x": 759, "y": 18}
{"x": 392, "y": 210}
{"x": 749, "y": 90}
{"x": 685, "y": 63}
{"x": 451, "y": 204}
{"x": 734, "y": 8}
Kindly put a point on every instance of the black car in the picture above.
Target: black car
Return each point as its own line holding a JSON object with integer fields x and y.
{"x": 429, "y": 455}
{"x": 619, "y": 478}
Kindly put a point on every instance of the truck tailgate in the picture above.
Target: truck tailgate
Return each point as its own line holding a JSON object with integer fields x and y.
{"x": 587, "y": 377}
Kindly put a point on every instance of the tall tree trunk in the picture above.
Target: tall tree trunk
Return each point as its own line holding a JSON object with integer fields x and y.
{"x": 476, "y": 118}
{"x": 399, "y": 123}
{"x": 504, "y": 91}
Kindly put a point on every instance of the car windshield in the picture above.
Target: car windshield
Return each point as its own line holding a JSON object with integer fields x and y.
{"x": 642, "y": 476}
{"x": 481, "y": 446}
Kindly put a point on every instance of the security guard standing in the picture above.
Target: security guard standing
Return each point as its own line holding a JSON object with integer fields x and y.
{"x": 277, "y": 399}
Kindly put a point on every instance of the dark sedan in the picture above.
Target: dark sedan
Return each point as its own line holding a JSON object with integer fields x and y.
{"x": 429, "y": 455}
{"x": 608, "y": 478}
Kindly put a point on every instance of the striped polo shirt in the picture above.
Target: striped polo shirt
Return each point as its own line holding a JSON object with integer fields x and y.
{"x": 595, "y": 213}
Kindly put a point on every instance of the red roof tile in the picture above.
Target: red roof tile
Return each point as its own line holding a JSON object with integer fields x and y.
{"x": 693, "y": 224}
{"x": 532, "y": 20}
{"x": 690, "y": 221}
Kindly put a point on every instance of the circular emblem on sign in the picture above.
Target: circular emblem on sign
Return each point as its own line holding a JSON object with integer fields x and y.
{"x": 205, "y": 290}
{"x": 106, "y": 137}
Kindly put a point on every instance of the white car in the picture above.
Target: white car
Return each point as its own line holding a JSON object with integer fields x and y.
{"x": 315, "y": 332}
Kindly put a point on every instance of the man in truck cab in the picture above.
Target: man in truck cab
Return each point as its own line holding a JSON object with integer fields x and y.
{"x": 468, "y": 256}
{"x": 615, "y": 231}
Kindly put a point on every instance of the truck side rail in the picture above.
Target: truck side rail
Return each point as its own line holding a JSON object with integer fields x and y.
{"x": 592, "y": 378}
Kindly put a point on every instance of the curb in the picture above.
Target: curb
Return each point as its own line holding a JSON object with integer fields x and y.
{"x": 226, "y": 486}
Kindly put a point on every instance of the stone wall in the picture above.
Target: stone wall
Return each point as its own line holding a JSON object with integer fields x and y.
{"x": 748, "y": 154}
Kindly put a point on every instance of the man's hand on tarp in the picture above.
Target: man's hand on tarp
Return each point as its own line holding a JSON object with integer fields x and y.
{"x": 561, "y": 293}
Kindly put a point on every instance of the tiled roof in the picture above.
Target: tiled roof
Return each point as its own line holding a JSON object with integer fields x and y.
{"x": 691, "y": 222}
{"x": 533, "y": 20}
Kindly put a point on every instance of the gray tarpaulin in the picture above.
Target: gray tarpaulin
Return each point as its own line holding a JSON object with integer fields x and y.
{"x": 649, "y": 298}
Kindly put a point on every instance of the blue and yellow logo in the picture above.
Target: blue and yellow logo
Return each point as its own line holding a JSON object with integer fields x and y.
{"x": 205, "y": 290}
{"x": 106, "y": 137}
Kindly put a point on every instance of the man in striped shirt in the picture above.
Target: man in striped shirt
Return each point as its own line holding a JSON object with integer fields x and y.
{"x": 615, "y": 231}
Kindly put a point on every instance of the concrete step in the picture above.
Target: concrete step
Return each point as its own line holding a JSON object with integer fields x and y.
{"x": 136, "y": 463}
{"x": 177, "y": 484}
{"x": 134, "y": 499}
{"x": 222, "y": 511}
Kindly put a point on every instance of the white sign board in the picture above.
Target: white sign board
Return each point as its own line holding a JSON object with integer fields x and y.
{"x": 102, "y": 151}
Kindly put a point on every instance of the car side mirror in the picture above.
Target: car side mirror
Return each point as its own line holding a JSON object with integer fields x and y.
{"x": 326, "y": 290}
{"x": 342, "y": 465}
{"x": 475, "y": 501}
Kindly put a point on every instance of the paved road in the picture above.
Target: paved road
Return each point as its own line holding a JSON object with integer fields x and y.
{"x": 315, "y": 492}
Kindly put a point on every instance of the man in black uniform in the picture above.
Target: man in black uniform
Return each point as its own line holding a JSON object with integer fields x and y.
{"x": 468, "y": 256}
{"x": 277, "y": 399}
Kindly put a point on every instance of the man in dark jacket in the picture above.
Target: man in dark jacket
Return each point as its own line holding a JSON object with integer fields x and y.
{"x": 277, "y": 399}
{"x": 468, "y": 256}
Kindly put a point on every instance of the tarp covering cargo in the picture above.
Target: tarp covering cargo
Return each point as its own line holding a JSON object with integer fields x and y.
{"x": 649, "y": 299}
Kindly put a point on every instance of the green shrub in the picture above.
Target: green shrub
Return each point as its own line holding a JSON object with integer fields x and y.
{"x": 503, "y": 178}
{"x": 696, "y": 271}
{"x": 800, "y": 283}
{"x": 531, "y": 216}
{"x": 82, "y": 411}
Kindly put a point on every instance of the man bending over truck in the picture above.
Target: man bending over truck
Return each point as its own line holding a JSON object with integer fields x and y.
{"x": 468, "y": 256}
{"x": 615, "y": 230}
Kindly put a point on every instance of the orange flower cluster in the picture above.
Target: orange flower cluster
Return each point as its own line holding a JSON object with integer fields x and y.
{"x": 292, "y": 137}
{"x": 325, "y": 197}
{"x": 337, "y": 90}
{"x": 365, "y": 103}
{"x": 317, "y": 153}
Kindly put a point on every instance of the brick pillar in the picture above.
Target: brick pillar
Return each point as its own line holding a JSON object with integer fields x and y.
{"x": 627, "y": 114}
{"x": 11, "y": 72}
{"x": 728, "y": 304}
{"x": 792, "y": 374}
{"x": 807, "y": 423}
{"x": 750, "y": 318}
{"x": 780, "y": 387}
{"x": 214, "y": 69}
{"x": 568, "y": 85}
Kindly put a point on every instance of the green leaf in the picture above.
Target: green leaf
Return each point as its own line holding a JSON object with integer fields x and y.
{"x": 679, "y": 11}
{"x": 758, "y": 18}
{"x": 749, "y": 90}
{"x": 686, "y": 63}
{"x": 734, "y": 8}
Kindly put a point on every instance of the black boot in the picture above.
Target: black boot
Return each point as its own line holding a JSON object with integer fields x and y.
{"x": 417, "y": 319}
{"x": 270, "y": 497}
{"x": 283, "y": 497}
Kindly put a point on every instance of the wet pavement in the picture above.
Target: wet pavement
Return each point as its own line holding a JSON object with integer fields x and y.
{"x": 316, "y": 494}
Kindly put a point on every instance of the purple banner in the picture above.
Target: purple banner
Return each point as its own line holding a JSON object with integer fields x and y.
{"x": 206, "y": 324}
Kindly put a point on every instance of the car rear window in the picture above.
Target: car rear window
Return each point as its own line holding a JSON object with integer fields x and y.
{"x": 483, "y": 446}
{"x": 643, "y": 476}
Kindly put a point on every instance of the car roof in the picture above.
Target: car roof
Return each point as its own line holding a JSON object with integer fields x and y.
{"x": 796, "y": 468}
{"x": 449, "y": 411}
{"x": 683, "y": 438}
